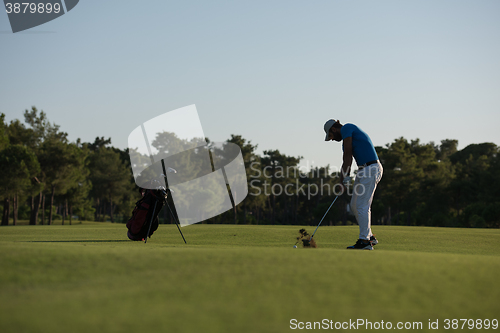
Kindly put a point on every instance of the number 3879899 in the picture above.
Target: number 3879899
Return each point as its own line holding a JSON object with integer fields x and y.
{"x": 32, "y": 8}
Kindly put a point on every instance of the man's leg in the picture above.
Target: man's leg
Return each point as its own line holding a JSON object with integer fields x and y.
{"x": 364, "y": 189}
{"x": 354, "y": 198}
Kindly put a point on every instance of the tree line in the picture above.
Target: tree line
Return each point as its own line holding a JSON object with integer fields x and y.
{"x": 45, "y": 177}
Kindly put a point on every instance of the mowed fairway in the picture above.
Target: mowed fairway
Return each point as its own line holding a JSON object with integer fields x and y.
{"x": 91, "y": 278}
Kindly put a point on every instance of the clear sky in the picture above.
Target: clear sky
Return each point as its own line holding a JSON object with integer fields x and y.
{"x": 271, "y": 71}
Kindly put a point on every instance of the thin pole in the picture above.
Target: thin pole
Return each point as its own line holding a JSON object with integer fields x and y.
{"x": 167, "y": 189}
{"x": 175, "y": 220}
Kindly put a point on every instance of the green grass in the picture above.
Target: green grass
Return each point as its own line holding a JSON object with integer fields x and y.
{"x": 90, "y": 278}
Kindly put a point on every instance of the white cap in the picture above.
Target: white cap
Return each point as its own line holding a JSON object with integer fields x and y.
{"x": 328, "y": 125}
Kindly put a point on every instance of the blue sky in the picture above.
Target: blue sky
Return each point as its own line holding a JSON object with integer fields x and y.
{"x": 271, "y": 71}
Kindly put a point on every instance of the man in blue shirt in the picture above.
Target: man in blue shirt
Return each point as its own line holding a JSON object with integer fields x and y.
{"x": 357, "y": 144}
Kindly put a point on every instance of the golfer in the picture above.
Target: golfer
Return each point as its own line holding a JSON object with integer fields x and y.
{"x": 357, "y": 144}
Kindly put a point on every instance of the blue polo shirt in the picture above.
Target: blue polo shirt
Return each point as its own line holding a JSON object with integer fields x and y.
{"x": 362, "y": 146}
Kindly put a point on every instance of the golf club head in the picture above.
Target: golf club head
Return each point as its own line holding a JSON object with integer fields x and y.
{"x": 169, "y": 170}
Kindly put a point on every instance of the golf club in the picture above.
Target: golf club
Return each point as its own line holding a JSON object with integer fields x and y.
{"x": 323, "y": 217}
{"x": 164, "y": 190}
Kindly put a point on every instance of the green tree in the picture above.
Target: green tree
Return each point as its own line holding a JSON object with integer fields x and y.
{"x": 62, "y": 166}
{"x": 402, "y": 176}
{"x": 4, "y": 134}
{"x": 110, "y": 178}
{"x": 279, "y": 171}
{"x": 252, "y": 202}
{"x": 76, "y": 196}
{"x": 432, "y": 206}
{"x": 475, "y": 190}
{"x": 18, "y": 165}
{"x": 42, "y": 128}
{"x": 44, "y": 138}
{"x": 446, "y": 149}
{"x": 20, "y": 134}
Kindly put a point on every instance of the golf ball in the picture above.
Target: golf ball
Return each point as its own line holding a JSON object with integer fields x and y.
{"x": 295, "y": 246}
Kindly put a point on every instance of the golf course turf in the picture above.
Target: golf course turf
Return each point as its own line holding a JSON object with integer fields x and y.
{"x": 235, "y": 278}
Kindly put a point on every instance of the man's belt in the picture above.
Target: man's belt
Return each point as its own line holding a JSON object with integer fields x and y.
{"x": 367, "y": 164}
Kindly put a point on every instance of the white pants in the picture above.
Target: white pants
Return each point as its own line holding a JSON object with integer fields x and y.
{"x": 364, "y": 188}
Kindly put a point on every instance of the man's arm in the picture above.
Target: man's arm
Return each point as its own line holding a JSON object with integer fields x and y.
{"x": 347, "y": 159}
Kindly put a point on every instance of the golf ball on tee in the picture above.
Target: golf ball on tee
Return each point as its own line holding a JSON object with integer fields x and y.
{"x": 295, "y": 246}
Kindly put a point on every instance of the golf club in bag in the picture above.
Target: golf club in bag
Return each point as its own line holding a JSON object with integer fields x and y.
{"x": 164, "y": 191}
{"x": 165, "y": 194}
{"x": 144, "y": 221}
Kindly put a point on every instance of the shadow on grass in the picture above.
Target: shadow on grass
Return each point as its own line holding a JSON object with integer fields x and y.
{"x": 80, "y": 241}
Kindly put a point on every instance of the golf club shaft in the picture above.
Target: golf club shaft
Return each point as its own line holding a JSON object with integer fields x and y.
{"x": 151, "y": 223}
{"x": 324, "y": 217}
